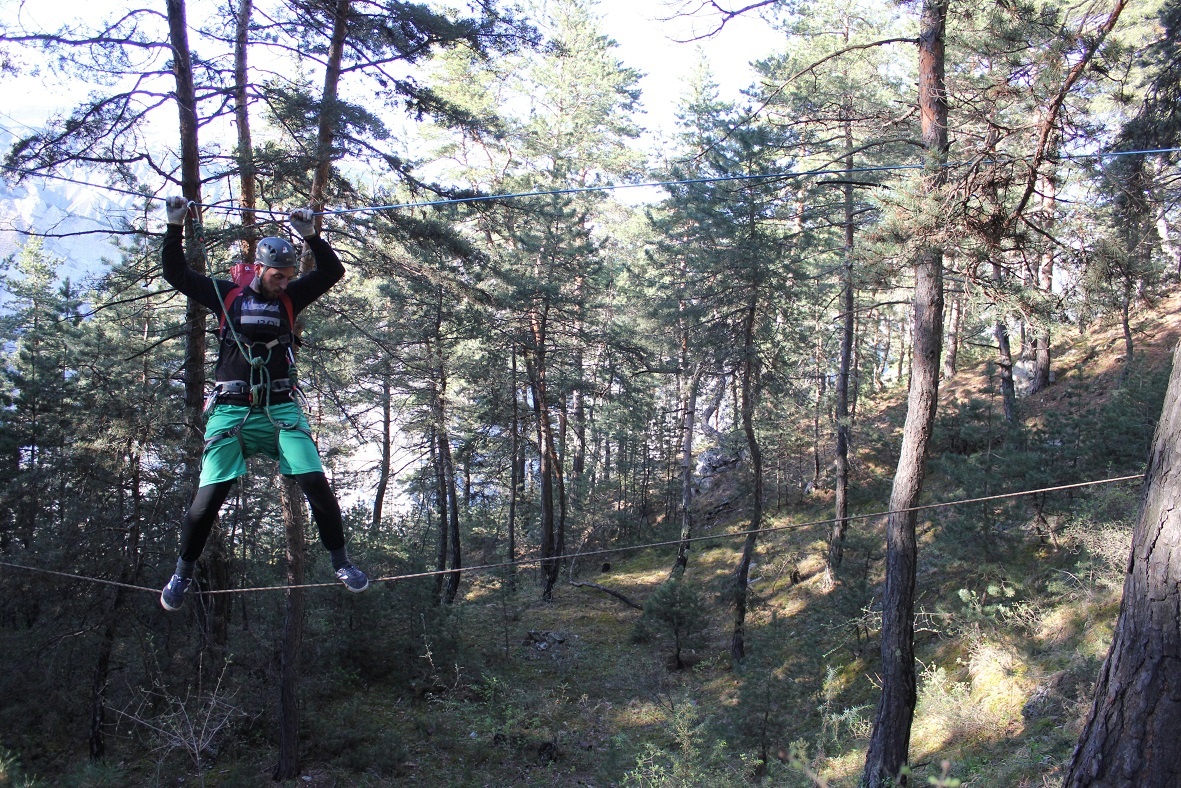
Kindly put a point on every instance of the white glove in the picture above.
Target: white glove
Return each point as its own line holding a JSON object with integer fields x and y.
{"x": 304, "y": 222}
{"x": 177, "y": 208}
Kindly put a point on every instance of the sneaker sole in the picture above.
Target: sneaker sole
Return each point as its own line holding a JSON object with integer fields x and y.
{"x": 355, "y": 590}
{"x": 169, "y": 607}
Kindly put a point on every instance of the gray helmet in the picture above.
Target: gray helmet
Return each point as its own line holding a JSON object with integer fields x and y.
{"x": 276, "y": 253}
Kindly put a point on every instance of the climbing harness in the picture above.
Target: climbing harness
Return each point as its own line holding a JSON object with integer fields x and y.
{"x": 258, "y": 390}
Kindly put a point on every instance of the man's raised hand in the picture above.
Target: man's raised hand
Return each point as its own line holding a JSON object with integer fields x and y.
{"x": 304, "y": 222}
{"x": 176, "y": 207}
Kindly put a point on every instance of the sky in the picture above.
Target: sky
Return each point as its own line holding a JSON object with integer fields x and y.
{"x": 648, "y": 41}
{"x": 659, "y": 47}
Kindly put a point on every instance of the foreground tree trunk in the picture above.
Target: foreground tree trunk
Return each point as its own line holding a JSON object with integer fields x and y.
{"x": 836, "y": 538}
{"x": 517, "y": 476}
{"x": 689, "y": 408}
{"x": 549, "y": 468}
{"x": 246, "y": 168}
{"x": 447, "y": 500}
{"x": 1130, "y": 737}
{"x": 742, "y": 575}
{"x": 1005, "y": 357}
{"x": 951, "y": 345}
{"x": 1045, "y": 283}
{"x": 190, "y": 187}
{"x": 386, "y": 449}
{"x": 289, "y": 655}
{"x": 890, "y": 742}
{"x": 215, "y": 567}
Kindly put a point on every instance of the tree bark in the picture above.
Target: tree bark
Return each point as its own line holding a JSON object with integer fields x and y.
{"x": 1130, "y": 737}
{"x": 516, "y": 474}
{"x": 246, "y": 168}
{"x": 441, "y": 510}
{"x": 289, "y": 656}
{"x": 890, "y": 741}
{"x": 194, "y": 364}
{"x": 689, "y": 408}
{"x": 742, "y": 574}
{"x": 451, "y": 507}
{"x": 1045, "y": 284}
{"x": 128, "y": 572}
{"x": 836, "y": 538}
{"x": 326, "y": 130}
{"x": 190, "y": 186}
{"x": 951, "y": 349}
{"x": 1005, "y": 358}
{"x": 387, "y": 449}
{"x": 549, "y": 468}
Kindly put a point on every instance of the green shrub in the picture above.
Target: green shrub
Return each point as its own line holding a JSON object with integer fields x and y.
{"x": 677, "y": 611}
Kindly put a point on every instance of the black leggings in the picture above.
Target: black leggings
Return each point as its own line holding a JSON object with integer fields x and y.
{"x": 198, "y": 522}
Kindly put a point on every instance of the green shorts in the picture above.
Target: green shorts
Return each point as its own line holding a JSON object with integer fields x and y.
{"x": 226, "y": 458}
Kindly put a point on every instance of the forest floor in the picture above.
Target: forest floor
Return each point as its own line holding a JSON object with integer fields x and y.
{"x": 1016, "y": 601}
{"x": 1015, "y": 606}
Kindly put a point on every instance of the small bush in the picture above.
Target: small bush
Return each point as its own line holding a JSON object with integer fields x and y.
{"x": 676, "y": 610}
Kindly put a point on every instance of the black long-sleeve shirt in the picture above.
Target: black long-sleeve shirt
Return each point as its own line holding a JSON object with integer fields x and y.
{"x": 255, "y": 319}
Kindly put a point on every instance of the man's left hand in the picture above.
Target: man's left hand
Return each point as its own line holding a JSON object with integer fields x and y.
{"x": 304, "y": 222}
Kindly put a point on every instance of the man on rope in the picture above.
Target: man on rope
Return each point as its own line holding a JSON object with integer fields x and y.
{"x": 253, "y": 408}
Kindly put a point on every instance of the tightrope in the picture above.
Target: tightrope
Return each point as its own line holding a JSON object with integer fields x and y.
{"x": 603, "y": 551}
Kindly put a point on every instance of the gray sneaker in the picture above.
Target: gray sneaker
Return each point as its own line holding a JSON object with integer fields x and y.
{"x": 173, "y": 595}
{"x": 353, "y": 578}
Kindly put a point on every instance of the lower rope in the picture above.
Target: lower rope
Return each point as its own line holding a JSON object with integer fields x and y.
{"x": 604, "y": 551}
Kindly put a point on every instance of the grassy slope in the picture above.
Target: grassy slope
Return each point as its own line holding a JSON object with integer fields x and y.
{"x": 1015, "y": 615}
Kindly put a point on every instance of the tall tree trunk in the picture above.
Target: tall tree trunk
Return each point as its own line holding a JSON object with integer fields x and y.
{"x": 821, "y": 374}
{"x": 516, "y": 474}
{"x": 387, "y": 450}
{"x": 1130, "y": 737}
{"x": 890, "y": 741}
{"x": 329, "y": 109}
{"x": 101, "y": 675}
{"x": 689, "y": 409}
{"x": 1045, "y": 284}
{"x": 216, "y": 561}
{"x": 246, "y": 169}
{"x": 951, "y": 348}
{"x": 447, "y": 471}
{"x": 292, "y": 645}
{"x": 129, "y": 568}
{"x": 441, "y": 510}
{"x": 290, "y": 494}
{"x": 577, "y": 453}
{"x": 549, "y": 461}
{"x": 190, "y": 186}
{"x": 836, "y": 538}
{"x": 742, "y": 575}
{"x": 1005, "y": 357}
{"x": 194, "y": 364}
{"x": 454, "y": 555}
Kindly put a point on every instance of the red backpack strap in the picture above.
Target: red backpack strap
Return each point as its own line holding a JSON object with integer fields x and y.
{"x": 290, "y": 307}
{"x": 231, "y": 296}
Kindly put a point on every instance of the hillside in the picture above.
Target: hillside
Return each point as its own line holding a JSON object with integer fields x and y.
{"x": 1016, "y": 601}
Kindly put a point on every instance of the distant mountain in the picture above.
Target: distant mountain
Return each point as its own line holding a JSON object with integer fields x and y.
{"x": 76, "y": 215}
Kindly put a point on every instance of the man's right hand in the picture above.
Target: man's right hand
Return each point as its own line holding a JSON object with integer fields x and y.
{"x": 176, "y": 207}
